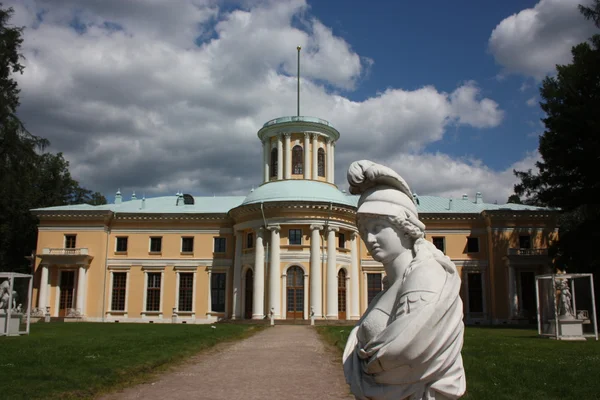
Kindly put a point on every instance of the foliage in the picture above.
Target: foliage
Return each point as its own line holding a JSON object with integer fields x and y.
{"x": 81, "y": 360}
{"x": 514, "y": 199}
{"x": 29, "y": 178}
{"x": 567, "y": 177}
{"x": 517, "y": 364}
{"x": 592, "y": 12}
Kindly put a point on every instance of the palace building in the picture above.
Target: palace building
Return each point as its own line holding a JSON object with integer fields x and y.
{"x": 290, "y": 248}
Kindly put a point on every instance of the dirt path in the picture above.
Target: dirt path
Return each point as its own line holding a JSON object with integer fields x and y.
{"x": 283, "y": 362}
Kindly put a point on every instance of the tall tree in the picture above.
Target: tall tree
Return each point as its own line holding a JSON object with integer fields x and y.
{"x": 28, "y": 178}
{"x": 567, "y": 177}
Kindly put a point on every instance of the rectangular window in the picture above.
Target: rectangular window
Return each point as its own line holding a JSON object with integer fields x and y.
{"x": 220, "y": 245}
{"x": 472, "y": 245}
{"x": 153, "y": 291}
{"x": 155, "y": 244}
{"x": 186, "y": 291}
{"x": 122, "y": 244}
{"x": 70, "y": 241}
{"x": 525, "y": 242}
{"x": 373, "y": 286}
{"x": 295, "y": 236}
{"x": 475, "y": 285}
{"x": 119, "y": 288}
{"x": 187, "y": 244}
{"x": 217, "y": 291}
{"x": 341, "y": 241}
{"x": 250, "y": 240}
{"x": 440, "y": 243}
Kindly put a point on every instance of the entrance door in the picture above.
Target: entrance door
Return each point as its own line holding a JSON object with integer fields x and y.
{"x": 295, "y": 293}
{"x": 248, "y": 291}
{"x": 67, "y": 287}
{"x": 342, "y": 294}
{"x": 527, "y": 300}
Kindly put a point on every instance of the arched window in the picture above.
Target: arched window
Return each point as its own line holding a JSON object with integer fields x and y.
{"x": 342, "y": 294}
{"x": 274, "y": 162}
{"x": 297, "y": 162}
{"x": 321, "y": 162}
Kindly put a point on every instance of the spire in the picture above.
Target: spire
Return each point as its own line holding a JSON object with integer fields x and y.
{"x": 118, "y": 197}
{"x": 133, "y": 196}
{"x": 298, "y": 48}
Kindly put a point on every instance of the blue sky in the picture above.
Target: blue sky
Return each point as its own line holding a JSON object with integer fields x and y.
{"x": 156, "y": 97}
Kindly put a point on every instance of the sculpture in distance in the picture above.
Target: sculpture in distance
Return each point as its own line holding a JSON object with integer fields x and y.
{"x": 408, "y": 343}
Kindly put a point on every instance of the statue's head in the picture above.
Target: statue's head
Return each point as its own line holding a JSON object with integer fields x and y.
{"x": 385, "y": 202}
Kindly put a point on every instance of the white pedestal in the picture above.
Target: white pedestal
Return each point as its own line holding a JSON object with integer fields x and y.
{"x": 13, "y": 325}
{"x": 569, "y": 329}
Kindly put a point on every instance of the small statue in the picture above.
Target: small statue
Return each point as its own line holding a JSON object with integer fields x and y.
{"x": 407, "y": 344}
{"x": 565, "y": 310}
{"x": 4, "y": 295}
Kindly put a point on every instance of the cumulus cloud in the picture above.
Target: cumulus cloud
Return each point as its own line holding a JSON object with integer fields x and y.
{"x": 534, "y": 40}
{"x": 158, "y": 99}
{"x": 532, "y": 102}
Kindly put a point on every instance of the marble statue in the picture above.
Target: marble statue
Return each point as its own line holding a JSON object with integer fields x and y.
{"x": 408, "y": 343}
{"x": 5, "y": 297}
{"x": 565, "y": 310}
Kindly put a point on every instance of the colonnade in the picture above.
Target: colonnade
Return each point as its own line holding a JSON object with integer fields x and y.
{"x": 284, "y": 157}
{"x": 274, "y": 279}
{"x": 80, "y": 289}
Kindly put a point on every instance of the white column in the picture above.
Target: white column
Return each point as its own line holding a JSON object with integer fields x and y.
{"x": 279, "y": 158}
{"x": 287, "y": 172}
{"x": 328, "y": 161}
{"x": 43, "y": 299}
{"x": 512, "y": 292}
{"x": 354, "y": 278}
{"x": 266, "y": 158}
{"x": 315, "y": 152}
{"x": 316, "y": 286}
{"x": 209, "y": 306}
{"x": 332, "y": 295}
{"x": 306, "y": 155}
{"x": 237, "y": 276}
{"x": 80, "y": 290}
{"x": 274, "y": 273}
{"x": 331, "y": 177}
{"x": 305, "y": 311}
{"x": 258, "y": 295}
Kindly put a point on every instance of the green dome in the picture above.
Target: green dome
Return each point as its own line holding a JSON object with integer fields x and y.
{"x": 299, "y": 190}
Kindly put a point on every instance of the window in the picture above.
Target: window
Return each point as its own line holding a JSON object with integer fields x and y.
{"x": 250, "y": 240}
{"x": 321, "y": 162}
{"x": 217, "y": 291}
{"x": 295, "y": 236}
{"x": 341, "y": 240}
{"x": 297, "y": 162}
{"x": 155, "y": 244}
{"x": 187, "y": 244}
{"x": 373, "y": 286}
{"x": 274, "y": 162}
{"x": 472, "y": 245}
{"x": 186, "y": 291}
{"x": 122, "y": 244}
{"x": 70, "y": 241}
{"x": 525, "y": 242}
{"x": 153, "y": 291}
{"x": 220, "y": 244}
{"x": 440, "y": 243}
{"x": 119, "y": 288}
{"x": 188, "y": 199}
{"x": 475, "y": 286}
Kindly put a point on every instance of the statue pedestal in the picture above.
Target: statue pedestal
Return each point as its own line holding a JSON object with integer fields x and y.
{"x": 13, "y": 324}
{"x": 569, "y": 329}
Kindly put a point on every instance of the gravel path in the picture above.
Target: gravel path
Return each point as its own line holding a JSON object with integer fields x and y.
{"x": 282, "y": 362}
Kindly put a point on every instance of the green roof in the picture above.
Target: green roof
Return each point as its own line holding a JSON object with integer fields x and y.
{"x": 298, "y": 190}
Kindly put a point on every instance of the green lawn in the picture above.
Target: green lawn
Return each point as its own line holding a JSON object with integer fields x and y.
{"x": 517, "y": 364}
{"x": 79, "y": 360}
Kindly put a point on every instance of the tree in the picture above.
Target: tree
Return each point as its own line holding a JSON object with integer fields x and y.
{"x": 28, "y": 178}
{"x": 514, "y": 199}
{"x": 567, "y": 177}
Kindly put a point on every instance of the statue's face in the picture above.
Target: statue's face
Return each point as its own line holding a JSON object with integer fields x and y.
{"x": 381, "y": 238}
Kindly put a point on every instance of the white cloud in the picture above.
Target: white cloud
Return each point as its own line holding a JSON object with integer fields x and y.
{"x": 533, "y": 41}
{"x": 172, "y": 98}
{"x": 532, "y": 102}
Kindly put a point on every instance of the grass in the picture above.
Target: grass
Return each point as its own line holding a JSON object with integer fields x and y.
{"x": 517, "y": 364}
{"x": 81, "y": 360}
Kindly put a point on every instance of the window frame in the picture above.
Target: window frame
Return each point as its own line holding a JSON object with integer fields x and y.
{"x": 183, "y": 241}
{"x": 523, "y": 236}
{"x": 370, "y": 290}
{"x": 473, "y": 239}
{"x": 321, "y": 161}
{"x": 67, "y": 241}
{"x": 295, "y": 234}
{"x": 217, "y": 247}
{"x": 117, "y": 240}
{"x": 148, "y": 289}
{"x": 159, "y": 238}
{"x": 220, "y": 292}
{"x": 122, "y": 290}
{"x": 191, "y": 291}
{"x": 274, "y": 162}
{"x": 471, "y": 290}
{"x": 250, "y": 240}
{"x": 341, "y": 240}
{"x": 297, "y": 160}
{"x": 443, "y": 239}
